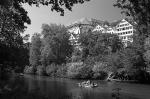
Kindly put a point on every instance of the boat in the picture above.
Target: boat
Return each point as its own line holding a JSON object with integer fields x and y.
{"x": 87, "y": 84}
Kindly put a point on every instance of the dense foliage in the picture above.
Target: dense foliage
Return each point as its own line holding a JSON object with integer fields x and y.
{"x": 99, "y": 44}
{"x": 50, "y": 50}
{"x": 13, "y": 18}
{"x": 13, "y": 51}
{"x": 35, "y": 50}
{"x": 56, "y": 5}
{"x": 56, "y": 46}
{"x": 139, "y": 11}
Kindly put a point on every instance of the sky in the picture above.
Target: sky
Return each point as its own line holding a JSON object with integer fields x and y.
{"x": 98, "y": 9}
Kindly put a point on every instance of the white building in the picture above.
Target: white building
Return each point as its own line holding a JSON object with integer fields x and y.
{"x": 123, "y": 28}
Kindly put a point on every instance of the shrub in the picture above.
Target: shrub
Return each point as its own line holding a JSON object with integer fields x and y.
{"x": 29, "y": 70}
{"x": 114, "y": 62}
{"x": 99, "y": 70}
{"x": 86, "y": 71}
{"x": 89, "y": 61}
{"x": 61, "y": 71}
{"x": 73, "y": 70}
{"x": 51, "y": 70}
{"x": 79, "y": 70}
{"x": 40, "y": 70}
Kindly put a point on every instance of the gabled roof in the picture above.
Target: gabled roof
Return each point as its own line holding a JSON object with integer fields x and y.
{"x": 115, "y": 23}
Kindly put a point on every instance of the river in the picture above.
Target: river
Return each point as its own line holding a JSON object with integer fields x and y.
{"x": 42, "y": 87}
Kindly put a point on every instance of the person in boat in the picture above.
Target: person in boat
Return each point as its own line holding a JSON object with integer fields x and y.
{"x": 88, "y": 82}
{"x": 85, "y": 83}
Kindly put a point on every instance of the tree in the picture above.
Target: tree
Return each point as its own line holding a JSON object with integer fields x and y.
{"x": 12, "y": 24}
{"x": 35, "y": 52}
{"x": 139, "y": 11}
{"x": 12, "y": 19}
{"x": 99, "y": 44}
{"x": 147, "y": 52}
{"x": 56, "y": 45}
{"x": 56, "y": 5}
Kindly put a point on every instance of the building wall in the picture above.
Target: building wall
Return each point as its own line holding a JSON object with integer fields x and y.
{"x": 125, "y": 31}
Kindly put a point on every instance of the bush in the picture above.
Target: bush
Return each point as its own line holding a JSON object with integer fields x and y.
{"x": 99, "y": 70}
{"x": 51, "y": 70}
{"x": 79, "y": 70}
{"x": 73, "y": 70}
{"x": 62, "y": 71}
{"x": 114, "y": 61}
{"x": 86, "y": 71}
{"x": 89, "y": 61}
{"x": 40, "y": 70}
{"x": 29, "y": 70}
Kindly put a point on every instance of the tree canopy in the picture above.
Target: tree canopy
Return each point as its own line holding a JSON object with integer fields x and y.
{"x": 56, "y": 5}
{"x": 56, "y": 47}
{"x": 35, "y": 50}
{"x": 95, "y": 44}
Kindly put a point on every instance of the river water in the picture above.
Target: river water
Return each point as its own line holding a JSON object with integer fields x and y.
{"x": 41, "y": 87}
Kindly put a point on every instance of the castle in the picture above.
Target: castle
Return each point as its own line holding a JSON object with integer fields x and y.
{"x": 123, "y": 28}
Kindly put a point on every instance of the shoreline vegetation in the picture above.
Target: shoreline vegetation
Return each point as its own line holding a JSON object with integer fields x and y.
{"x": 96, "y": 56}
{"x": 57, "y": 74}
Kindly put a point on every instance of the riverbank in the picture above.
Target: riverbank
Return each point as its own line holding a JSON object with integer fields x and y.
{"x": 84, "y": 70}
{"x": 110, "y": 80}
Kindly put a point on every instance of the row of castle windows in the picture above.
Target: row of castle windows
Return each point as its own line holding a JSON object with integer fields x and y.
{"x": 125, "y": 28}
{"x": 128, "y": 32}
{"x": 126, "y": 37}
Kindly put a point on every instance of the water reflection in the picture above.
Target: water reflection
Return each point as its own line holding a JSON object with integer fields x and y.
{"x": 37, "y": 87}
